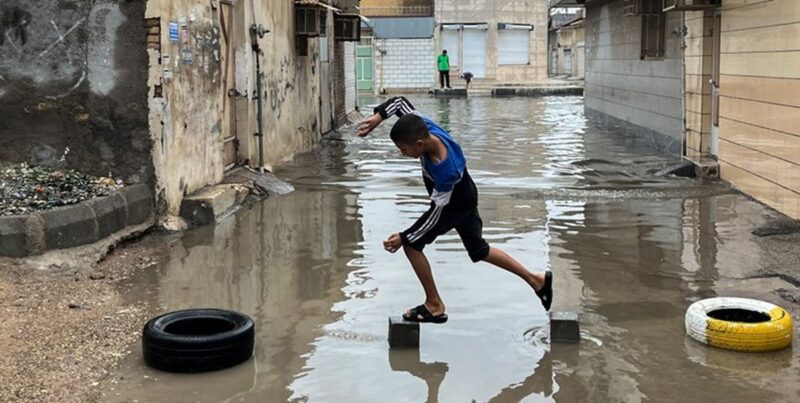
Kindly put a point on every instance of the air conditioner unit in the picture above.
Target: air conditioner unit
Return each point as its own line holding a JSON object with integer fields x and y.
{"x": 689, "y": 5}
{"x": 641, "y": 7}
{"x": 346, "y": 28}
{"x": 307, "y": 21}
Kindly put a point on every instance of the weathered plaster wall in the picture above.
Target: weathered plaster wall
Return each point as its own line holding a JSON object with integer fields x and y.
{"x": 534, "y": 12}
{"x": 186, "y": 122}
{"x": 291, "y": 93}
{"x": 187, "y": 114}
{"x": 73, "y": 75}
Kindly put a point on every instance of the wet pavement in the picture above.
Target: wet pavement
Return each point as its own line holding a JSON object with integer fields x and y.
{"x": 559, "y": 191}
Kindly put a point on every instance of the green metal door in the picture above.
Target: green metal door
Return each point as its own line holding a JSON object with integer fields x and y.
{"x": 364, "y": 67}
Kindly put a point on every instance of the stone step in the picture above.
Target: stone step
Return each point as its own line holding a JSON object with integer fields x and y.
{"x": 208, "y": 204}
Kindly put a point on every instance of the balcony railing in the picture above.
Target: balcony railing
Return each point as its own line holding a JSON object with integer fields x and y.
{"x": 397, "y": 11}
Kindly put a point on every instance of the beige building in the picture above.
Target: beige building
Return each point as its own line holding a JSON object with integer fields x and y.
{"x": 568, "y": 49}
{"x": 495, "y": 41}
{"x": 713, "y": 80}
{"x": 205, "y": 93}
{"x": 742, "y": 109}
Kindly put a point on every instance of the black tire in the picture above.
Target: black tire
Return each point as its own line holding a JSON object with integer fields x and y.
{"x": 198, "y": 340}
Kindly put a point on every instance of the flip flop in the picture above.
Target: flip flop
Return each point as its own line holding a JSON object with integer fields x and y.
{"x": 546, "y": 292}
{"x": 421, "y": 314}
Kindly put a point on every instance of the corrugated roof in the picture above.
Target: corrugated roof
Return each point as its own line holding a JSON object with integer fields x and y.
{"x": 403, "y": 27}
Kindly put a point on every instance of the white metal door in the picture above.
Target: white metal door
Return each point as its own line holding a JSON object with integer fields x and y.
{"x": 474, "y": 50}
{"x": 568, "y": 61}
{"x": 450, "y": 43}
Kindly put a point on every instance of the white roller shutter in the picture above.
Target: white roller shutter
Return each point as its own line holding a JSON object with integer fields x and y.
{"x": 513, "y": 46}
{"x": 450, "y": 43}
{"x": 474, "y": 48}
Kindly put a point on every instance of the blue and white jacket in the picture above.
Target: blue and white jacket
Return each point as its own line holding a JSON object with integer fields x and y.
{"x": 448, "y": 182}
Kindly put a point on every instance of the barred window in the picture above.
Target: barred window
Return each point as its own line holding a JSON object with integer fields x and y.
{"x": 653, "y": 36}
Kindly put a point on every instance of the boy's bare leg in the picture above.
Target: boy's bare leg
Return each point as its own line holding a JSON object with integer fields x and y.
{"x": 423, "y": 270}
{"x": 503, "y": 260}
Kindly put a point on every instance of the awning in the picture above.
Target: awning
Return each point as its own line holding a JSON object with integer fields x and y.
{"x": 526, "y": 27}
{"x": 567, "y": 3}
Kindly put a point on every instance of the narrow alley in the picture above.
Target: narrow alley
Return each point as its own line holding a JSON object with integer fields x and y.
{"x": 559, "y": 190}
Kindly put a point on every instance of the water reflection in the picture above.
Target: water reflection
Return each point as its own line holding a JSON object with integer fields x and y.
{"x": 283, "y": 262}
{"x": 558, "y": 191}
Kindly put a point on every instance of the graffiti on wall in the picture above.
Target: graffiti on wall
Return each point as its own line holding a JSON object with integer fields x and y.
{"x": 282, "y": 81}
{"x": 13, "y": 26}
{"x": 40, "y": 47}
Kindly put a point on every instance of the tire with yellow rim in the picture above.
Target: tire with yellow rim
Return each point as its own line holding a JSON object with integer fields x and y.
{"x": 739, "y": 324}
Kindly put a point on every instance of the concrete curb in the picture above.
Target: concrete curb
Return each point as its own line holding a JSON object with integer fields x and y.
{"x": 537, "y": 91}
{"x": 449, "y": 92}
{"x": 76, "y": 224}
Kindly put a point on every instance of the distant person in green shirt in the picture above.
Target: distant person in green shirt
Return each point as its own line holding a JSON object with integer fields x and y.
{"x": 444, "y": 69}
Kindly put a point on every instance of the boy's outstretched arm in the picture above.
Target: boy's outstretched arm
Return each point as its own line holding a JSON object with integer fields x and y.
{"x": 396, "y": 106}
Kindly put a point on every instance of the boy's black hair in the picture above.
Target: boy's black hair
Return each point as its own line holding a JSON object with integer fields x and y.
{"x": 408, "y": 129}
{"x": 444, "y": 51}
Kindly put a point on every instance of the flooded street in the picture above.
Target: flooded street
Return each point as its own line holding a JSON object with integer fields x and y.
{"x": 558, "y": 191}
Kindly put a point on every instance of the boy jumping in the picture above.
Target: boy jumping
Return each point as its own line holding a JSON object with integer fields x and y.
{"x": 454, "y": 205}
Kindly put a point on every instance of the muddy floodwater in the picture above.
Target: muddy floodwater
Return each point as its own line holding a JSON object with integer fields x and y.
{"x": 559, "y": 190}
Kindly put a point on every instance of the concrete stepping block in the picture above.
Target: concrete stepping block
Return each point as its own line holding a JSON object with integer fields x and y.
{"x": 564, "y": 327}
{"x": 402, "y": 333}
{"x": 450, "y": 92}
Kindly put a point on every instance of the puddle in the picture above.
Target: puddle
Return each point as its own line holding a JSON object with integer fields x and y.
{"x": 558, "y": 191}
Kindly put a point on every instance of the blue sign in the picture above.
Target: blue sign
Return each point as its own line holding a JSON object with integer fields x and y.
{"x": 174, "y": 34}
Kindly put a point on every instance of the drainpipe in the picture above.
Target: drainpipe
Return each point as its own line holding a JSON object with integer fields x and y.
{"x": 257, "y": 32}
{"x": 683, "y": 84}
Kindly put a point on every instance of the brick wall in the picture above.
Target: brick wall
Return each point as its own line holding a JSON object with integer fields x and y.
{"x": 407, "y": 63}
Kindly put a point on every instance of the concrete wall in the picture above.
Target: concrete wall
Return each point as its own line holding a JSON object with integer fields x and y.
{"x": 697, "y": 56}
{"x": 109, "y": 80}
{"x": 620, "y": 84}
{"x": 405, "y": 64}
{"x": 572, "y": 38}
{"x": 494, "y": 12}
{"x": 759, "y": 147}
{"x": 187, "y": 120}
{"x": 74, "y": 75}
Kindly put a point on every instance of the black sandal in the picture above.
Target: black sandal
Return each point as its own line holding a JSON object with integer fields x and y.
{"x": 546, "y": 292}
{"x": 421, "y": 314}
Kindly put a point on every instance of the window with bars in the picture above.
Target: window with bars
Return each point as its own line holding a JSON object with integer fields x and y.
{"x": 653, "y": 36}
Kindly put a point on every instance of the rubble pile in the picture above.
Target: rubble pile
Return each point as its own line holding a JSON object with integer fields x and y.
{"x": 24, "y": 189}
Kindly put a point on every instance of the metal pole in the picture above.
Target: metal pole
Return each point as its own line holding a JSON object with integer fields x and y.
{"x": 260, "y": 117}
{"x": 256, "y": 32}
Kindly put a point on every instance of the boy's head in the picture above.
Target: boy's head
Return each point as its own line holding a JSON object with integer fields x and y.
{"x": 409, "y": 135}
{"x": 444, "y": 52}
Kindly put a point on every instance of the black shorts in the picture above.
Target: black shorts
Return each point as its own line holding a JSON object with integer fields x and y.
{"x": 467, "y": 223}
